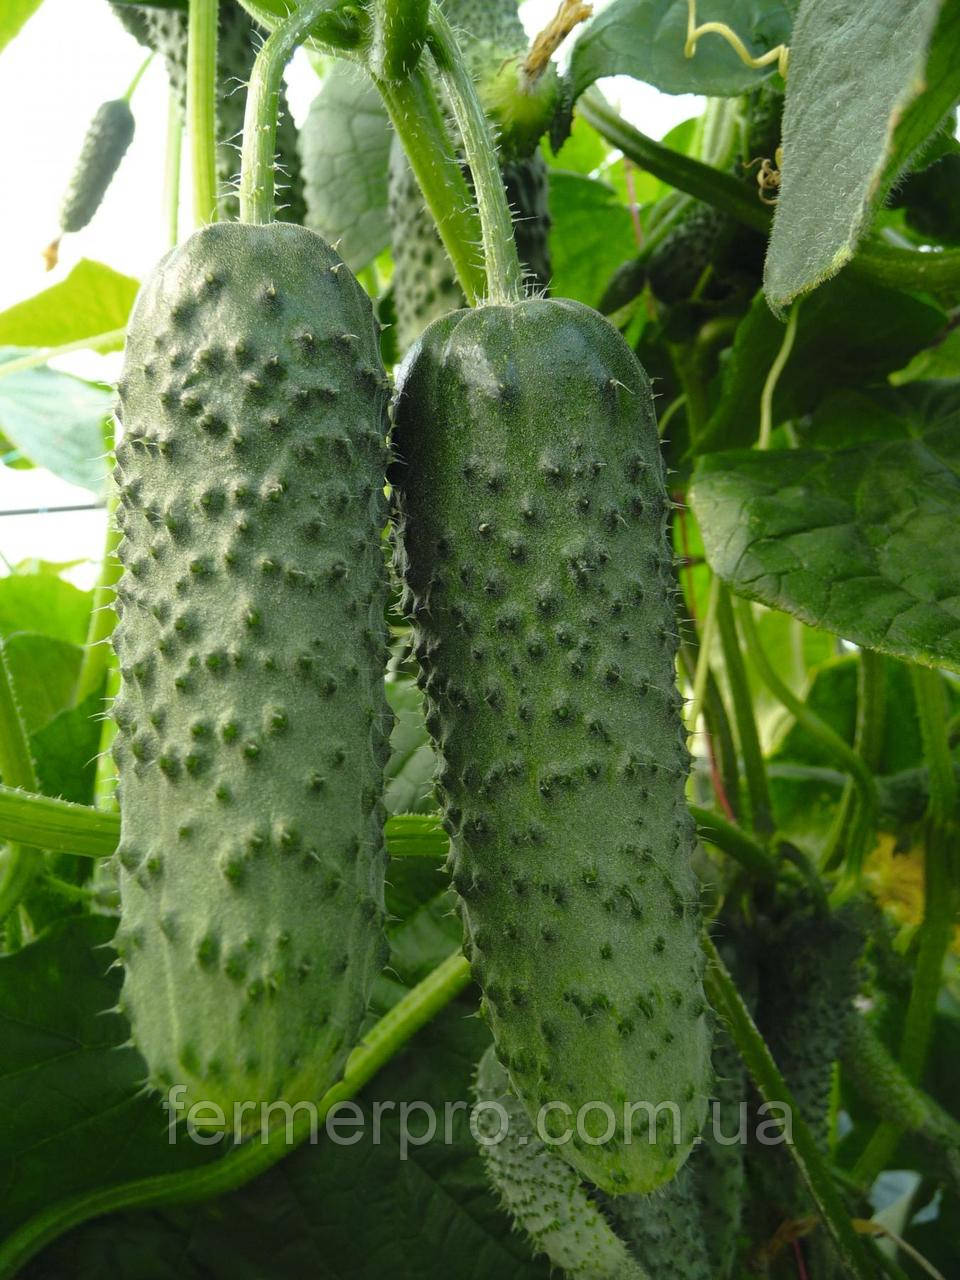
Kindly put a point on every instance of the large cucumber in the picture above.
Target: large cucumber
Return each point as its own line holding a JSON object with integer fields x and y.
{"x": 425, "y": 286}
{"x": 238, "y": 39}
{"x": 532, "y": 518}
{"x": 251, "y": 642}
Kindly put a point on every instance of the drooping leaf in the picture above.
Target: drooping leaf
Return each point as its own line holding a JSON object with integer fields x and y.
{"x": 590, "y": 236}
{"x": 645, "y": 39}
{"x": 850, "y": 332}
{"x": 863, "y": 541}
{"x": 345, "y": 147}
{"x": 12, "y": 17}
{"x": 57, "y": 421}
{"x": 855, "y": 66}
{"x": 92, "y": 299}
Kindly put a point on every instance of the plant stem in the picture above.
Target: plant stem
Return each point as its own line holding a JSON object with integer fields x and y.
{"x": 845, "y": 756}
{"x": 111, "y": 340}
{"x": 20, "y": 864}
{"x": 504, "y": 275}
{"x": 773, "y": 377}
{"x": 868, "y": 743}
{"x": 244, "y": 1162}
{"x": 132, "y": 87}
{"x": 171, "y": 167}
{"x": 730, "y": 839}
{"x": 856, "y": 1255}
{"x": 412, "y": 106}
{"x": 881, "y": 263}
{"x": 201, "y": 107}
{"x": 761, "y": 810}
{"x": 258, "y": 155}
{"x": 703, "y": 656}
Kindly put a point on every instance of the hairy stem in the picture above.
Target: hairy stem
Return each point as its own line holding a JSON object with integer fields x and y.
{"x": 96, "y": 651}
{"x": 761, "y": 810}
{"x": 504, "y": 275}
{"x": 244, "y": 1162}
{"x": 257, "y": 157}
{"x": 171, "y": 167}
{"x": 201, "y": 107}
{"x": 415, "y": 114}
{"x": 733, "y": 841}
{"x": 868, "y": 743}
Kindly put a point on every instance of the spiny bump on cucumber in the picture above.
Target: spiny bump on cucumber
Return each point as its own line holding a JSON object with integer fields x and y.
{"x": 251, "y": 656}
{"x": 532, "y": 517}
{"x": 542, "y": 1193}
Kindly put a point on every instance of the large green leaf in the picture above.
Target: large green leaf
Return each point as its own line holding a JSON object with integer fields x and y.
{"x": 45, "y": 604}
{"x": 345, "y": 146}
{"x": 590, "y": 236}
{"x": 44, "y": 674}
{"x": 57, "y": 421}
{"x": 850, "y": 332}
{"x": 863, "y": 541}
{"x": 942, "y": 360}
{"x": 92, "y": 299}
{"x": 12, "y": 17}
{"x": 645, "y": 39}
{"x": 855, "y": 65}
{"x": 72, "y": 1115}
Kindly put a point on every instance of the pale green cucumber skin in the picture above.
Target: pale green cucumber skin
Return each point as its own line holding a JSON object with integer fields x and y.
{"x": 532, "y": 518}
{"x": 251, "y": 642}
{"x": 104, "y": 145}
{"x": 542, "y": 1193}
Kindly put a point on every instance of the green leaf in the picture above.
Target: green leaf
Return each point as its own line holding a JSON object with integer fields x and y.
{"x": 849, "y": 332}
{"x": 57, "y": 421}
{"x": 939, "y": 361}
{"x": 590, "y": 236}
{"x": 864, "y": 541}
{"x": 73, "y": 1116}
{"x": 583, "y": 150}
{"x": 408, "y": 776}
{"x": 65, "y": 750}
{"x": 345, "y": 146}
{"x": 645, "y": 39}
{"x": 92, "y": 299}
{"x": 337, "y": 1211}
{"x": 855, "y": 65}
{"x": 45, "y": 604}
{"x": 44, "y": 675}
{"x": 14, "y": 15}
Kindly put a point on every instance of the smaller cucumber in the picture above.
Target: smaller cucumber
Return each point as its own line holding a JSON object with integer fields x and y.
{"x": 107, "y": 139}
{"x": 540, "y": 1191}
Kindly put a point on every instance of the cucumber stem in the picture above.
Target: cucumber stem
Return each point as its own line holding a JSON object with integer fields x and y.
{"x": 201, "y": 107}
{"x": 868, "y": 743}
{"x": 20, "y": 864}
{"x": 257, "y": 160}
{"x": 754, "y": 769}
{"x": 96, "y": 650}
{"x": 171, "y": 167}
{"x": 412, "y": 106}
{"x": 504, "y": 274}
{"x": 238, "y": 1166}
{"x": 132, "y": 88}
{"x": 859, "y": 1258}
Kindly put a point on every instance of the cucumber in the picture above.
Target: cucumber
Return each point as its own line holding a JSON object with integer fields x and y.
{"x": 719, "y": 1176}
{"x": 104, "y": 146}
{"x": 542, "y": 1193}
{"x": 251, "y": 644}
{"x": 425, "y": 286}
{"x": 238, "y": 39}
{"x": 532, "y": 517}
{"x": 664, "y": 1230}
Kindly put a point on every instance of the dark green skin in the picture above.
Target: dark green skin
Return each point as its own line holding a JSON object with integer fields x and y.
{"x": 251, "y": 643}
{"x": 532, "y": 518}
{"x": 238, "y": 40}
{"x": 107, "y": 139}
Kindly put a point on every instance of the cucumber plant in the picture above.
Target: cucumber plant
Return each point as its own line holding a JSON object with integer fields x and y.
{"x": 654, "y": 714}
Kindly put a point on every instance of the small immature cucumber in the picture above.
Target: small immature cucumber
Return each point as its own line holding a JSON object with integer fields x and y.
{"x": 532, "y": 519}
{"x": 251, "y": 643}
{"x": 106, "y": 142}
{"x": 541, "y": 1192}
